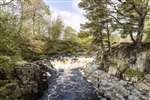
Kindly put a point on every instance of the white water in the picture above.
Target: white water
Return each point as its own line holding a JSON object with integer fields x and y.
{"x": 71, "y": 84}
{"x": 68, "y": 63}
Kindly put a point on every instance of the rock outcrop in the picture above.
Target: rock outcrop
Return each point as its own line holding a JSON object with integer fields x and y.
{"x": 112, "y": 88}
{"x": 129, "y": 62}
{"x": 26, "y": 82}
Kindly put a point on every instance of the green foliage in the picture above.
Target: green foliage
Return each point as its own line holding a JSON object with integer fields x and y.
{"x": 70, "y": 34}
{"x": 30, "y": 55}
{"x": 127, "y": 17}
{"x": 83, "y": 34}
{"x": 4, "y": 59}
{"x": 136, "y": 13}
{"x": 99, "y": 22}
{"x": 56, "y": 47}
{"x": 55, "y": 29}
{"x": 6, "y": 64}
{"x": 8, "y": 36}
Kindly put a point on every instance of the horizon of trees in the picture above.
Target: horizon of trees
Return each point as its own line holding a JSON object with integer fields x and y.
{"x": 28, "y": 29}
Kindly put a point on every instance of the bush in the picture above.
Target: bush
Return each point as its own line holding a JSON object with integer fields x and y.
{"x": 4, "y": 59}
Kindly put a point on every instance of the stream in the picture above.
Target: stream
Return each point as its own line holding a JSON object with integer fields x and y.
{"x": 70, "y": 83}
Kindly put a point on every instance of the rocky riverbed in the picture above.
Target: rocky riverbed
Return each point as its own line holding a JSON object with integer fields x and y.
{"x": 110, "y": 87}
{"x": 68, "y": 78}
{"x": 81, "y": 79}
{"x": 70, "y": 83}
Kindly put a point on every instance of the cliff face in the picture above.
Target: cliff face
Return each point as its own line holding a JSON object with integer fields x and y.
{"x": 26, "y": 82}
{"x": 129, "y": 62}
{"x": 124, "y": 75}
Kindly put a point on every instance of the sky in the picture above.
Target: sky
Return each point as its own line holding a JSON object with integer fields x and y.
{"x": 68, "y": 10}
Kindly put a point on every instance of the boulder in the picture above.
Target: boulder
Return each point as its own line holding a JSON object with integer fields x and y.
{"x": 27, "y": 81}
{"x": 110, "y": 87}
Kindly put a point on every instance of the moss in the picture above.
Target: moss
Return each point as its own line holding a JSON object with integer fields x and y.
{"x": 10, "y": 90}
{"x": 132, "y": 73}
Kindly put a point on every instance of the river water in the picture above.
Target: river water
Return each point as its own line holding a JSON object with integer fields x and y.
{"x": 70, "y": 83}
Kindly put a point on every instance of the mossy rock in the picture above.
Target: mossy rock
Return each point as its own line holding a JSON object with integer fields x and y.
{"x": 10, "y": 91}
{"x": 131, "y": 73}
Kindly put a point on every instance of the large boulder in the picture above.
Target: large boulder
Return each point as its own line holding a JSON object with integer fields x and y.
{"x": 27, "y": 81}
{"x": 112, "y": 88}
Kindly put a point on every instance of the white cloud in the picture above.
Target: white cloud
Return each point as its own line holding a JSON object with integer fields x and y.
{"x": 73, "y": 19}
{"x": 69, "y": 18}
{"x": 75, "y": 6}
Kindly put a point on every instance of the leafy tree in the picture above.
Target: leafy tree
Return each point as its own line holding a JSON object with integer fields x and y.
{"x": 70, "y": 34}
{"x": 99, "y": 21}
{"x": 131, "y": 15}
{"x": 10, "y": 27}
{"x": 126, "y": 17}
{"x": 85, "y": 39}
{"x": 16, "y": 32}
{"x": 8, "y": 36}
{"x": 55, "y": 29}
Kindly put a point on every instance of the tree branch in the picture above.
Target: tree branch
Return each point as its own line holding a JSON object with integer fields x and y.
{"x": 7, "y": 3}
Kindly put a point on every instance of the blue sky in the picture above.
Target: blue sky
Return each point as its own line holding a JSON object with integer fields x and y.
{"x": 68, "y": 10}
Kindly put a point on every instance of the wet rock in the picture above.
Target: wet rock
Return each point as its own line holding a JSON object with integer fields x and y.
{"x": 113, "y": 88}
{"x": 28, "y": 81}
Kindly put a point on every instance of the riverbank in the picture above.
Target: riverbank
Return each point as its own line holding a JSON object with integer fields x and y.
{"x": 26, "y": 81}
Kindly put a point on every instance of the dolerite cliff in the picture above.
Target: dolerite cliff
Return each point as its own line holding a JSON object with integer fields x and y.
{"x": 132, "y": 64}
{"x": 112, "y": 88}
{"x": 27, "y": 81}
{"x": 126, "y": 74}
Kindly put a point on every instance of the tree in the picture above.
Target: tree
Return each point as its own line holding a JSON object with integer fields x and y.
{"x": 15, "y": 31}
{"x": 126, "y": 17}
{"x": 9, "y": 29}
{"x": 55, "y": 29}
{"x": 69, "y": 33}
{"x": 131, "y": 17}
{"x": 99, "y": 24}
{"x": 35, "y": 12}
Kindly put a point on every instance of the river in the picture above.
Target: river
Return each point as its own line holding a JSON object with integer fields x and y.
{"x": 70, "y": 83}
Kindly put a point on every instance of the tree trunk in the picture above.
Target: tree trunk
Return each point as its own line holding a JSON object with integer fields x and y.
{"x": 33, "y": 21}
{"x": 141, "y": 22}
{"x": 139, "y": 35}
{"x": 132, "y": 38}
{"x": 108, "y": 37}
